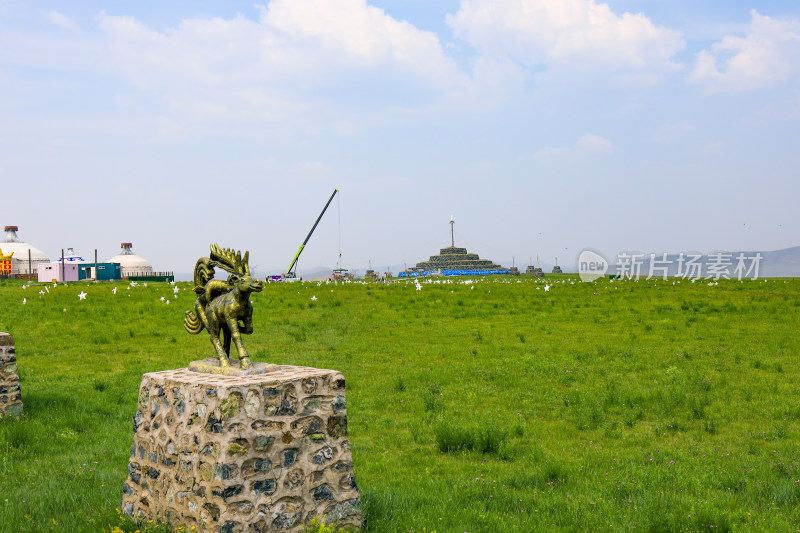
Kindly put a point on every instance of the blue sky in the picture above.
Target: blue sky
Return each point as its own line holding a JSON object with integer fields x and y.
{"x": 544, "y": 126}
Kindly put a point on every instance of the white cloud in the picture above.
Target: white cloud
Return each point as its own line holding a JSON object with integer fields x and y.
{"x": 295, "y": 53}
{"x": 571, "y": 33}
{"x": 594, "y": 144}
{"x": 589, "y": 145}
{"x": 768, "y": 55}
{"x": 62, "y": 21}
{"x": 673, "y": 131}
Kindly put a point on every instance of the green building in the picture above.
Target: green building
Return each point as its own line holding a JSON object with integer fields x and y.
{"x": 105, "y": 271}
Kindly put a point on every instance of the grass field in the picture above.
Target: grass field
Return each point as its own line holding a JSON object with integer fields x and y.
{"x": 491, "y": 406}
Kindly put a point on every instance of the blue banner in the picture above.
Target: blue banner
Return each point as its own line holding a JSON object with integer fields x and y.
{"x": 450, "y": 273}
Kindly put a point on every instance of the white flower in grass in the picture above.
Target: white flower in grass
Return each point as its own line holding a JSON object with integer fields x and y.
{"x": 175, "y": 290}
{"x": 313, "y": 298}
{"x": 65, "y": 309}
{"x": 82, "y": 295}
{"x": 41, "y": 292}
{"x": 145, "y": 284}
{"x": 47, "y": 289}
{"x": 24, "y": 301}
{"x": 162, "y": 298}
{"x": 547, "y": 288}
{"x": 114, "y": 290}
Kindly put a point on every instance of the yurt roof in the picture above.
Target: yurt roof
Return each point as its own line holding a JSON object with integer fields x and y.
{"x": 19, "y": 247}
{"x": 71, "y": 257}
{"x": 127, "y": 259}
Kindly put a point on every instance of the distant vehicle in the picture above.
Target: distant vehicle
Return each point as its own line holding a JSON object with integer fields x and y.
{"x": 342, "y": 273}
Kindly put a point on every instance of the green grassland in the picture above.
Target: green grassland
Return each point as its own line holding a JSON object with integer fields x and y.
{"x": 491, "y": 406}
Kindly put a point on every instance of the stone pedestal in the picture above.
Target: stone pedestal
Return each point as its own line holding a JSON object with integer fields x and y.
{"x": 251, "y": 454}
{"x": 10, "y": 395}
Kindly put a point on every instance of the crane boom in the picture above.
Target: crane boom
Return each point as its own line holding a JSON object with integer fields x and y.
{"x": 289, "y": 272}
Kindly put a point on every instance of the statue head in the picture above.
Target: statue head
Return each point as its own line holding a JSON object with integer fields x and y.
{"x": 238, "y": 268}
{"x": 246, "y": 283}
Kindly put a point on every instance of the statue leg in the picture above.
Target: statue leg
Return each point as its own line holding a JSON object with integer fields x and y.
{"x": 226, "y": 340}
{"x": 214, "y": 332}
{"x": 244, "y": 357}
{"x": 247, "y": 330}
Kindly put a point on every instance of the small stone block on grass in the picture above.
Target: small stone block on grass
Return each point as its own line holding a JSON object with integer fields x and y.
{"x": 255, "y": 453}
{"x": 10, "y": 394}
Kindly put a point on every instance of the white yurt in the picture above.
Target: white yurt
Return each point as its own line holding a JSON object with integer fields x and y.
{"x": 71, "y": 257}
{"x": 130, "y": 263}
{"x": 19, "y": 261}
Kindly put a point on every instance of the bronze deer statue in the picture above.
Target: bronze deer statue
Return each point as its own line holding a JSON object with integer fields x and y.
{"x": 221, "y": 305}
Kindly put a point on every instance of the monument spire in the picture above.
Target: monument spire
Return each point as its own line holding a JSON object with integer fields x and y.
{"x": 452, "y": 239}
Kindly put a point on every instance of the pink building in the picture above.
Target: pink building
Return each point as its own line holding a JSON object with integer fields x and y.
{"x": 50, "y": 272}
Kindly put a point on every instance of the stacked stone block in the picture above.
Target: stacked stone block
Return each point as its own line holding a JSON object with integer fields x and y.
{"x": 227, "y": 454}
{"x": 10, "y": 394}
{"x": 454, "y": 258}
{"x": 536, "y": 271}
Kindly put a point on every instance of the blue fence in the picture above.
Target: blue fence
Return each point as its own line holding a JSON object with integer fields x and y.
{"x": 451, "y": 273}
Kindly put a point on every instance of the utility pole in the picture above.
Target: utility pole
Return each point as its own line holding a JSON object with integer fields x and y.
{"x": 62, "y": 265}
{"x": 452, "y": 238}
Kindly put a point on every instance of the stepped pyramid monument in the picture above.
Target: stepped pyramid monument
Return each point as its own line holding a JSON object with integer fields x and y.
{"x": 452, "y": 260}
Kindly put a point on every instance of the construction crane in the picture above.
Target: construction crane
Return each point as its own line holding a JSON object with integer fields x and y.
{"x": 289, "y": 272}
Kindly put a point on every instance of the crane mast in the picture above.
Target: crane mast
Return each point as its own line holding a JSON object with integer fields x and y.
{"x": 289, "y": 272}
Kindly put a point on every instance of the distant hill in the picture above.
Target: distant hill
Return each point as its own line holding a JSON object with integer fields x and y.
{"x": 784, "y": 262}
{"x": 319, "y": 272}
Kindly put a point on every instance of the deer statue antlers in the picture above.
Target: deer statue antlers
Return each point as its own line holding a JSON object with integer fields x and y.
{"x": 231, "y": 261}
